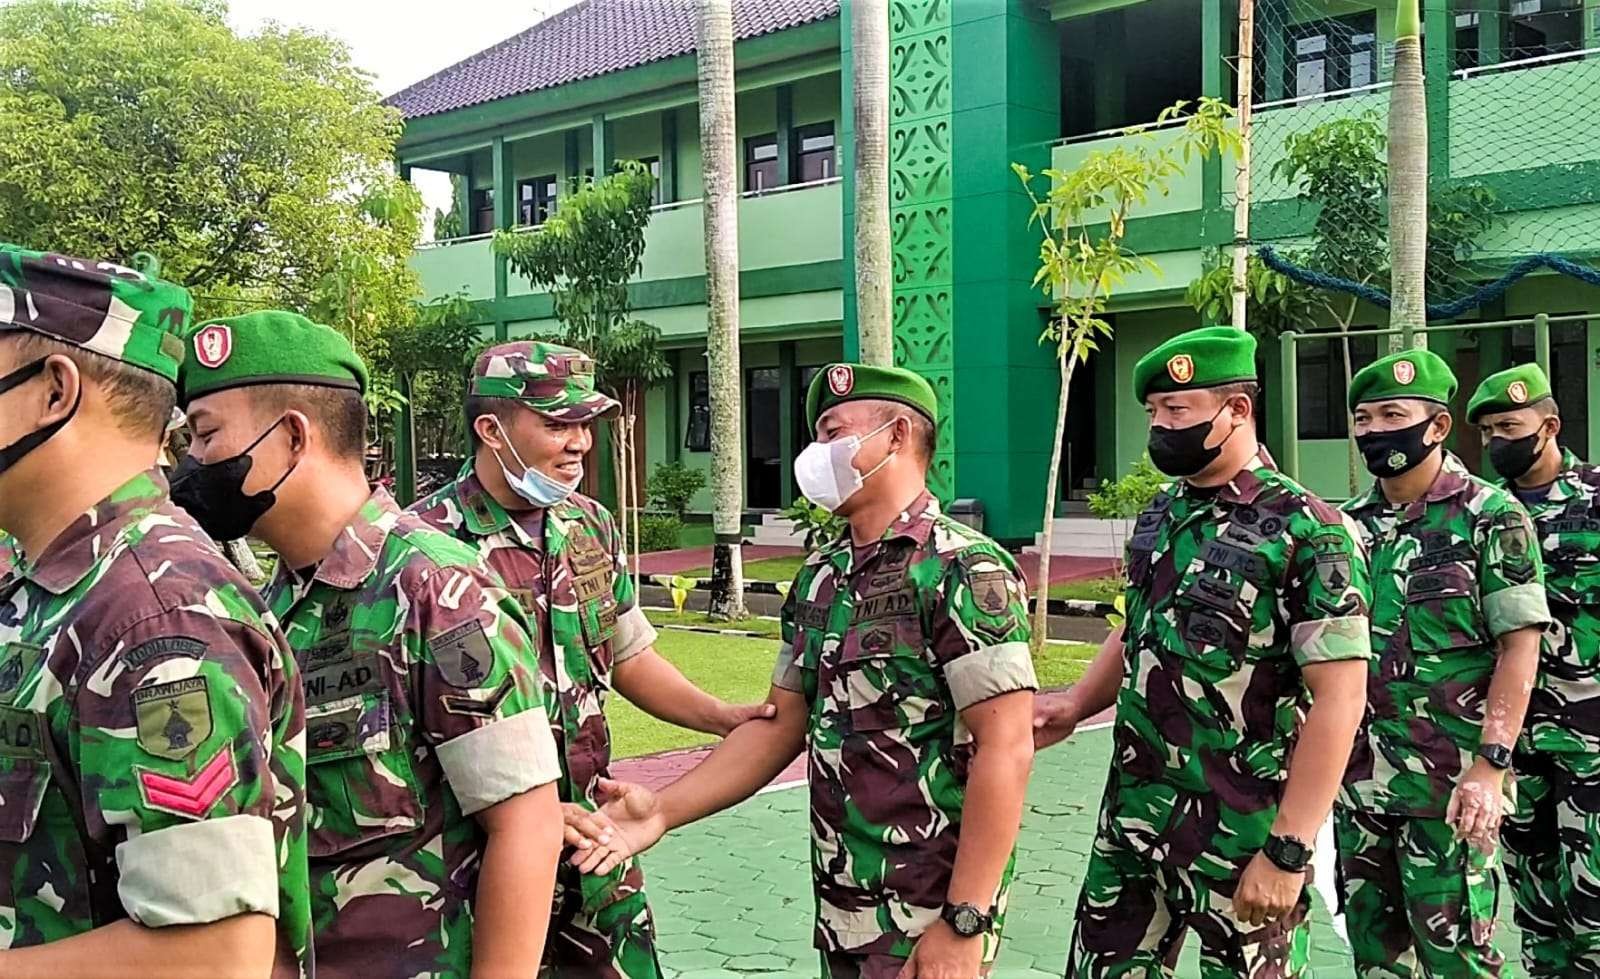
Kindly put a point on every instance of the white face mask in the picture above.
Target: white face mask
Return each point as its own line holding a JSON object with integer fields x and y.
{"x": 827, "y": 473}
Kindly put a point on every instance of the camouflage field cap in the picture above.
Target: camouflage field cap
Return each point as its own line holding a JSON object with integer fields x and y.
{"x": 1209, "y": 357}
{"x": 555, "y": 381}
{"x": 99, "y": 306}
{"x": 1509, "y": 390}
{"x": 1417, "y": 374}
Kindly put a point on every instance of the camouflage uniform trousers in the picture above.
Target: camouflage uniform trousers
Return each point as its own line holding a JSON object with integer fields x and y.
{"x": 601, "y": 929}
{"x": 1135, "y": 912}
{"x": 1553, "y": 859}
{"x": 1417, "y": 901}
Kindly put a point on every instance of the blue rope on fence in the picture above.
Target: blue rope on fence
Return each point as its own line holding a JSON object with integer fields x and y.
{"x": 1436, "y": 311}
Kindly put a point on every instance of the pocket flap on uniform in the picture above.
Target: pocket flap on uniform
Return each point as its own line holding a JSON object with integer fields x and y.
{"x": 347, "y": 728}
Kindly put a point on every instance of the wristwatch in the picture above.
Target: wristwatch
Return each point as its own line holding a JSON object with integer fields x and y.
{"x": 1497, "y": 755}
{"x": 1289, "y": 854}
{"x": 966, "y": 920}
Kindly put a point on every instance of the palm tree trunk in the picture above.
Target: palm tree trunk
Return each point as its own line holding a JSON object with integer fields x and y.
{"x": 714, "y": 55}
{"x": 1052, "y": 486}
{"x": 1408, "y": 178}
{"x": 869, "y": 30}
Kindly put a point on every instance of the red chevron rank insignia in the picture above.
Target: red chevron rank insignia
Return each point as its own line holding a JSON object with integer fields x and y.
{"x": 192, "y": 797}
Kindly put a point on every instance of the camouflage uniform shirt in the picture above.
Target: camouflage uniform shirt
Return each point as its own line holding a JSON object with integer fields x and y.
{"x": 1232, "y": 593}
{"x": 422, "y": 708}
{"x": 151, "y": 736}
{"x": 1452, "y": 572}
{"x": 889, "y": 644}
{"x": 565, "y": 565}
{"x": 1564, "y": 713}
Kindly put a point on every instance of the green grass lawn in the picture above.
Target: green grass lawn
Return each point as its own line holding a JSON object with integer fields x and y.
{"x": 740, "y": 671}
{"x": 766, "y": 569}
{"x": 1089, "y": 589}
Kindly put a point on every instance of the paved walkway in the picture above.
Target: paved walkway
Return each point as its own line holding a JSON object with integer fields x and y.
{"x": 732, "y": 894}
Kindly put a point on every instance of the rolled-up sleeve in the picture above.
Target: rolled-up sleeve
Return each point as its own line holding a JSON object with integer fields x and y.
{"x": 490, "y": 764}
{"x": 979, "y": 630}
{"x": 175, "y": 876}
{"x": 786, "y": 674}
{"x": 634, "y": 635}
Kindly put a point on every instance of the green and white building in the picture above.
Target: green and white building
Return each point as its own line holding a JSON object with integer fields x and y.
{"x": 976, "y": 85}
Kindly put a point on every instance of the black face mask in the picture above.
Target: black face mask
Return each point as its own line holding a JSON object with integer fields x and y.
{"x": 1512, "y": 458}
{"x": 14, "y": 453}
{"x": 1391, "y": 454}
{"x": 1182, "y": 452}
{"x": 213, "y": 492}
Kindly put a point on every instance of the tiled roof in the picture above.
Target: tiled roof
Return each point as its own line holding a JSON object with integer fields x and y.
{"x": 594, "y": 37}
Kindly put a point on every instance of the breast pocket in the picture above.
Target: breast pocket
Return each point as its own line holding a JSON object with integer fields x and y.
{"x": 1214, "y": 622}
{"x": 24, "y": 772}
{"x": 886, "y": 679}
{"x": 361, "y": 784}
{"x": 1441, "y": 611}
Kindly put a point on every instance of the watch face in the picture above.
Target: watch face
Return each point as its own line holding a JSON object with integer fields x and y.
{"x": 967, "y": 921}
{"x": 1293, "y": 851}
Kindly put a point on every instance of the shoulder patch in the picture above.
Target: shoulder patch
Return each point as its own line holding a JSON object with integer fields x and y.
{"x": 173, "y": 719}
{"x": 463, "y": 654}
{"x": 190, "y": 797}
{"x": 138, "y": 656}
{"x": 989, "y": 592}
{"x": 1516, "y": 549}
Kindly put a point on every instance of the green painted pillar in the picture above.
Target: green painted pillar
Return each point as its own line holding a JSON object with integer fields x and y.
{"x": 1213, "y": 84}
{"x": 973, "y": 88}
{"x": 572, "y": 160}
{"x": 1438, "y": 22}
{"x": 669, "y": 156}
{"x": 464, "y": 197}
{"x": 1274, "y": 52}
{"x": 1491, "y": 32}
{"x": 1110, "y": 74}
{"x": 1591, "y": 38}
{"x": 785, "y": 126}
{"x": 672, "y": 419}
{"x": 844, "y": 133}
{"x": 601, "y": 155}
{"x": 788, "y": 410}
{"x": 405, "y": 445}
{"x": 504, "y": 205}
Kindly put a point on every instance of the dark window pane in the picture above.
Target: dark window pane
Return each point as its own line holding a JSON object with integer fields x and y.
{"x": 654, "y": 164}
{"x": 483, "y": 211}
{"x": 761, "y": 162}
{"x": 1540, "y": 27}
{"x": 1331, "y": 55}
{"x": 1320, "y": 375}
{"x": 698, "y": 437}
{"x": 814, "y": 158}
{"x": 536, "y": 200}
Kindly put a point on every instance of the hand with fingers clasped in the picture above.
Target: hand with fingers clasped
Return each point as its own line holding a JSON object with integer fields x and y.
{"x": 628, "y": 822}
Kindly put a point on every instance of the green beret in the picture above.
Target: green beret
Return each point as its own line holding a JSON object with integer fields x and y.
{"x": 839, "y": 383}
{"x": 1205, "y": 358}
{"x": 1509, "y": 390}
{"x": 555, "y": 381}
{"x": 267, "y": 347}
{"x": 101, "y": 307}
{"x": 1416, "y": 374}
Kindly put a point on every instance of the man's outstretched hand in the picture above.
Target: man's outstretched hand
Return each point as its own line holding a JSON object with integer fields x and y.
{"x": 628, "y": 823}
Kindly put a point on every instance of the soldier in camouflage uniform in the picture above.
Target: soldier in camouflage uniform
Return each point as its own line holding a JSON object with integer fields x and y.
{"x": 1458, "y": 608}
{"x": 1552, "y": 840}
{"x": 433, "y": 819}
{"x": 1244, "y": 647}
{"x": 152, "y": 737}
{"x": 905, "y": 672}
{"x": 532, "y": 406}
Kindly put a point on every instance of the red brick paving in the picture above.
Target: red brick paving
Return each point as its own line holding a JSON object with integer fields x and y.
{"x": 689, "y": 558}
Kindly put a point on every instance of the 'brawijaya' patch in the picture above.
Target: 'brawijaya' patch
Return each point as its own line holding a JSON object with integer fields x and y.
{"x": 173, "y": 718}
{"x": 464, "y": 655}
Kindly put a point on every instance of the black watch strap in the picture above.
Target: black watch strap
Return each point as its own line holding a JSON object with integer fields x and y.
{"x": 966, "y": 920}
{"x": 1497, "y": 755}
{"x": 1289, "y": 854}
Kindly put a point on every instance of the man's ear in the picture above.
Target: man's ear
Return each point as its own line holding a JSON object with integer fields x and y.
{"x": 487, "y": 428}
{"x": 298, "y": 425}
{"x": 1446, "y": 423}
{"x": 63, "y": 389}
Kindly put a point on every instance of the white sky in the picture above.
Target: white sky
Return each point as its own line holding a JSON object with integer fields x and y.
{"x": 403, "y": 41}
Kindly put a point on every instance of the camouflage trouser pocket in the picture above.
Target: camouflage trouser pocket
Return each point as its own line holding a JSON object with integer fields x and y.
{"x": 1480, "y": 899}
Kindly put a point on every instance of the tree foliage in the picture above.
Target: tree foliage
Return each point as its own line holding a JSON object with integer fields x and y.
{"x": 258, "y": 169}
{"x": 1083, "y": 261}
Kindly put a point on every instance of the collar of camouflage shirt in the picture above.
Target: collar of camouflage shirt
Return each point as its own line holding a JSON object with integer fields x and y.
{"x": 75, "y": 550}
{"x": 915, "y": 523}
{"x": 1564, "y": 486}
{"x": 357, "y": 548}
{"x": 1245, "y": 485}
{"x": 1452, "y": 480}
{"x": 484, "y": 515}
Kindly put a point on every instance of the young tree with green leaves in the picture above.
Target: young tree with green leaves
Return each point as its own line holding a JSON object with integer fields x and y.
{"x": 584, "y": 256}
{"x": 1082, "y": 259}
